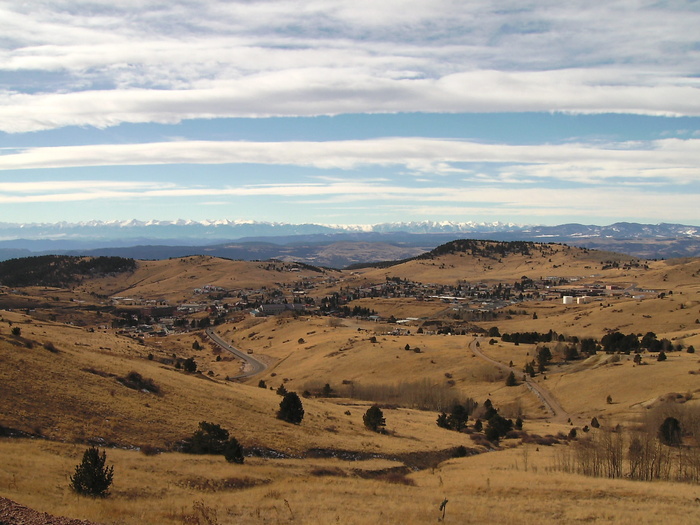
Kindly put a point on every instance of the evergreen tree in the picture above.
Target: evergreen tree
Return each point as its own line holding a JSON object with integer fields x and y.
{"x": 374, "y": 419}
{"x": 327, "y": 390}
{"x": 291, "y": 410}
{"x": 510, "y": 380}
{"x": 92, "y": 477}
{"x": 190, "y": 365}
{"x": 497, "y": 427}
{"x": 489, "y": 410}
{"x": 209, "y": 439}
{"x": 670, "y": 432}
{"x": 544, "y": 356}
{"x": 233, "y": 451}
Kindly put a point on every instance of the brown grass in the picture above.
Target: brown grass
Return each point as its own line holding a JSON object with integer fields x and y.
{"x": 512, "y": 486}
{"x": 73, "y": 395}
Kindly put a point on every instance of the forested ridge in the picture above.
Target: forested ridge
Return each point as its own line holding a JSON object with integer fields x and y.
{"x": 59, "y": 270}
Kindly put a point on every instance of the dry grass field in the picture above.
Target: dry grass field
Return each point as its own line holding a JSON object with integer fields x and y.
{"x": 512, "y": 486}
{"x": 175, "y": 279}
{"x": 61, "y": 379}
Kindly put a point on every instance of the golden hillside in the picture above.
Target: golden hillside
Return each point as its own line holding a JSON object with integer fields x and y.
{"x": 65, "y": 353}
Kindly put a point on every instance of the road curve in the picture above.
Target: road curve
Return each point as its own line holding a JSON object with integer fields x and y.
{"x": 252, "y": 365}
{"x": 559, "y": 415}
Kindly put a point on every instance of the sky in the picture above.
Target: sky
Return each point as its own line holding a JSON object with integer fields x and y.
{"x": 350, "y": 111}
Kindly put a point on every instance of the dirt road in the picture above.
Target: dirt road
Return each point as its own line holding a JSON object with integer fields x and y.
{"x": 559, "y": 415}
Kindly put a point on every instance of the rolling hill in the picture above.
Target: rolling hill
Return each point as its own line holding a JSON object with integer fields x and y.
{"x": 82, "y": 365}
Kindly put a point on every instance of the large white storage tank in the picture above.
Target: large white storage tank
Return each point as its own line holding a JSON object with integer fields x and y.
{"x": 568, "y": 299}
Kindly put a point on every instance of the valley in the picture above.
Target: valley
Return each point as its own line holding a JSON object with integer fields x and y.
{"x": 123, "y": 357}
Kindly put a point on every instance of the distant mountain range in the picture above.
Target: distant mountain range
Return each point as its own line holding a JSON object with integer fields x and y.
{"x": 328, "y": 245}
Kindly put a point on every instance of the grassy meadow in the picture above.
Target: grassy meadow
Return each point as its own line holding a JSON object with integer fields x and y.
{"x": 62, "y": 383}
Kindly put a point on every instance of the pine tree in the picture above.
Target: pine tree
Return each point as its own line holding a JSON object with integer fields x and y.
{"x": 233, "y": 451}
{"x": 510, "y": 380}
{"x": 374, "y": 419}
{"x": 670, "y": 432}
{"x": 92, "y": 477}
{"x": 291, "y": 410}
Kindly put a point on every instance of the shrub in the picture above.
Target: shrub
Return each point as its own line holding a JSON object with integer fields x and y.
{"x": 16, "y": 331}
{"x": 233, "y": 452}
{"x": 212, "y": 439}
{"x": 374, "y": 419}
{"x": 662, "y": 356}
{"x": 497, "y": 427}
{"x": 459, "y": 452}
{"x": 92, "y": 477}
{"x": 209, "y": 439}
{"x": 281, "y": 390}
{"x": 670, "y": 432}
{"x": 262, "y": 384}
{"x": 136, "y": 381}
{"x": 149, "y": 450}
{"x": 691, "y": 349}
{"x": 189, "y": 365}
{"x": 50, "y": 347}
{"x": 291, "y": 410}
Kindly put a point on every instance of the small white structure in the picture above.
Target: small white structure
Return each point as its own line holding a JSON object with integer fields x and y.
{"x": 583, "y": 300}
{"x": 567, "y": 299}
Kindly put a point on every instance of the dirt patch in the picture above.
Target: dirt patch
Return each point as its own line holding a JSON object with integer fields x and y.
{"x": 396, "y": 475}
{"x": 12, "y": 513}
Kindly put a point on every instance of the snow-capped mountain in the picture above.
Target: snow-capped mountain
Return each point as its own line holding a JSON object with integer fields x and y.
{"x": 238, "y": 229}
{"x": 188, "y": 236}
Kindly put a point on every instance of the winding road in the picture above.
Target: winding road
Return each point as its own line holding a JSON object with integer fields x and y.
{"x": 251, "y": 365}
{"x": 559, "y": 415}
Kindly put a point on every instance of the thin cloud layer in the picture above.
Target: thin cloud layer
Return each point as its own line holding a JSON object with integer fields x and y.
{"x": 671, "y": 161}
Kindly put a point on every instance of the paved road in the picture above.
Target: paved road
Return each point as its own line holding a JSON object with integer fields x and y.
{"x": 559, "y": 415}
{"x": 251, "y": 365}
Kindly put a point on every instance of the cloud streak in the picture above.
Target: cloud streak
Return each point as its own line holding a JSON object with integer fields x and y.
{"x": 487, "y": 200}
{"x": 665, "y": 161}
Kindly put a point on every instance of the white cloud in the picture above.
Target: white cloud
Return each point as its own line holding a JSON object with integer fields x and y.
{"x": 164, "y": 62}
